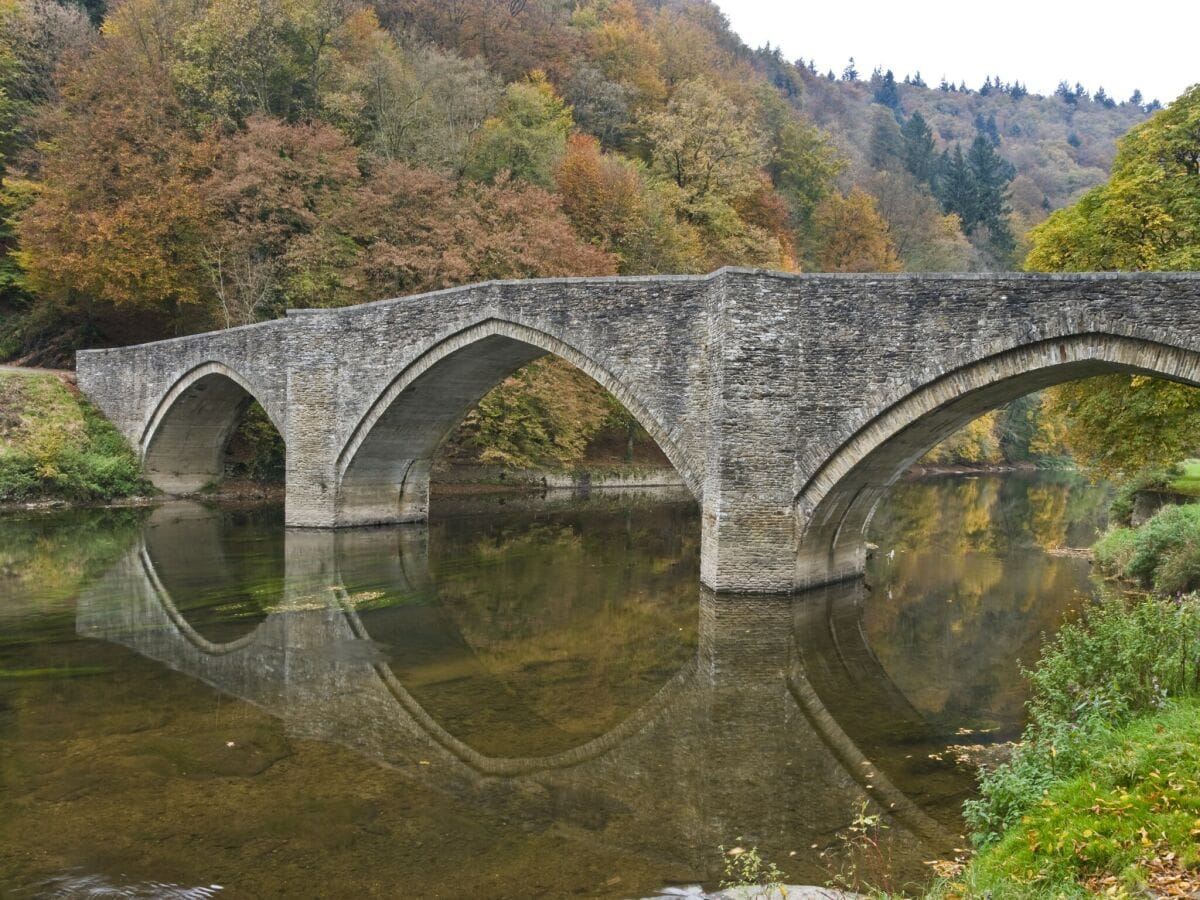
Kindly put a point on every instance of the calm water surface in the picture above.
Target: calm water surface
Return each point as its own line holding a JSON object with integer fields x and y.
{"x": 530, "y": 697}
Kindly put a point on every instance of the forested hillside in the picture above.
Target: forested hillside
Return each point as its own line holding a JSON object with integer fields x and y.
{"x": 178, "y": 166}
{"x": 901, "y": 136}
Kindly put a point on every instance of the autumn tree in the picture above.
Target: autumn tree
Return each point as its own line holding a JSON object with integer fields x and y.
{"x": 407, "y": 230}
{"x": 420, "y": 104}
{"x": 512, "y": 37}
{"x": 703, "y": 144}
{"x": 711, "y": 159}
{"x": 803, "y": 163}
{"x": 626, "y": 50}
{"x": 1146, "y": 217}
{"x": 853, "y": 236}
{"x": 526, "y": 138}
{"x": 272, "y": 185}
{"x": 115, "y": 233}
{"x": 611, "y": 204}
{"x": 926, "y": 238}
{"x": 36, "y": 36}
{"x": 600, "y": 106}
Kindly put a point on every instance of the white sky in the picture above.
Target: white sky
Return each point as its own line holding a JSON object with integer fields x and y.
{"x": 1153, "y": 45}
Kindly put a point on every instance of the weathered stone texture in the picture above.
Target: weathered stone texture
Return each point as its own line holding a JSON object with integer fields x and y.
{"x": 787, "y": 402}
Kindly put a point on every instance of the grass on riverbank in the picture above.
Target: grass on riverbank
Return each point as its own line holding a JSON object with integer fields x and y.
{"x": 1103, "y": 794}
{"x": 55, "y": 445}
{"x": 1185, "y": 478}
{"x": 1128, "y": 824}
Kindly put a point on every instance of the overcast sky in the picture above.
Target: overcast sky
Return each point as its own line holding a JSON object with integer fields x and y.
{"x": 1151, "y": 45}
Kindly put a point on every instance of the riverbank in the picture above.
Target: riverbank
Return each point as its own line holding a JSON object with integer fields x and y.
{"x": 1126, "y": 825}
{"x": 1102, "y": 795}
{"x": 55, "y": 447}
{"x": 1162, "y": 554}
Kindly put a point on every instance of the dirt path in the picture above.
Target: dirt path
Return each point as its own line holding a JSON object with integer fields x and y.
{"x": 65, "y": 375}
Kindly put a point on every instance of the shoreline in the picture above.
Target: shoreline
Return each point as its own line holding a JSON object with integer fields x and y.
{"x": 477, "y": 481}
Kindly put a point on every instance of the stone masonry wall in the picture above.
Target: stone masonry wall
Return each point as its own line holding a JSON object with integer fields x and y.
{"x": 787, "y": 402}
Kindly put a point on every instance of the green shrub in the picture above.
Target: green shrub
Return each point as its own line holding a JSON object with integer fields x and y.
{"x": 1121, "y": 510}
{"x": 18, "y": 477}
{"x": 256, "y": 451}
{"x": 1112, "y": 552}
{"x": 1045, "y": 756}
{"x": 1117, "y": 662}
{"x": 1179, "y": 570}
{"x": 1170, "y": 529}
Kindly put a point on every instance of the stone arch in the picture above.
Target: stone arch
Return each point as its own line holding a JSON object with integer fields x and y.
{"x": 835, "y": 504}
{"x": 182, "y": 445}
{"x": 383, "y": 468}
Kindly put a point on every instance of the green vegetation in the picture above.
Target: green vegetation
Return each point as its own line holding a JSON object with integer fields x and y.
{"x": 1146, "y": 217}
{"x": 53, "y": 444}
{"x": 1127, "y": 824}
{"x": 1185, "y": 478}
{"x": 1026, "y": 431}
{"x": 1104, "y": 784}
{"x": 256, "y": 451}
{"x": 548, "y": 415}
{"x": 1163, "y": 554}
{"x": 745, "y": 868}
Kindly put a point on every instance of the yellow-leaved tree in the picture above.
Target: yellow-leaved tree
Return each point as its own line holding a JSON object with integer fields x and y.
{"x": 1146, "y": 217}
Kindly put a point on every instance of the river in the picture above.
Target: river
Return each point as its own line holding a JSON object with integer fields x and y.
{"x": 529, "y": 697}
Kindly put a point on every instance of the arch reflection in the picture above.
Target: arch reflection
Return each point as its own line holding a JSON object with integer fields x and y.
{"x": 736, "y": 741}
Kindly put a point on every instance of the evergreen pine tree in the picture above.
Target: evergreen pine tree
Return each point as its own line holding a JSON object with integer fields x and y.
{"x": 887, "y": 94}
{"x": 990, "y": 175}
{"x": 919, "y": 156}
{"x": 955, "y": 187}
{"x": 886, "y": 151}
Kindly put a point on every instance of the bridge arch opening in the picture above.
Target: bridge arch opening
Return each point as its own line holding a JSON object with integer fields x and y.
{"x": 384, "y": 470}
{"x": 185, "y": 444}
{"x": 835, "y": 505}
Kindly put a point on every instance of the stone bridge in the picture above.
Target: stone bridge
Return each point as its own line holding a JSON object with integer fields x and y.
{"x": 787, "y": 403}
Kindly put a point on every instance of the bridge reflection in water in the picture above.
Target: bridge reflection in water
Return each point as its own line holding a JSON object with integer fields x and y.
{"x": 737, "y": 742}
